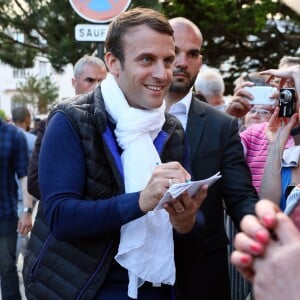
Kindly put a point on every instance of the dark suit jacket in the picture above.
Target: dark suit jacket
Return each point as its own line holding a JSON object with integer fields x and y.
{"x": 202, "y": 261}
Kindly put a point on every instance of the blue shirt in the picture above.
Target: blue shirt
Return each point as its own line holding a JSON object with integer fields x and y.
{"x": 14, "y": 161}
{"x": 286, "y": 179}
{"x": 30, "y": 139}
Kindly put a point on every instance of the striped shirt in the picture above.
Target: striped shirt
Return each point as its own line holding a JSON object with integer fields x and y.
{"x": 255, "y": 145}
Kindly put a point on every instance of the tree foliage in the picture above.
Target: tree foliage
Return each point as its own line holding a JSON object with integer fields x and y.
{"x": 40, "y": 93}
{"x": 49, "y": 30}
{"x": 250, "y": 34}
{"x": 2, "y": 115}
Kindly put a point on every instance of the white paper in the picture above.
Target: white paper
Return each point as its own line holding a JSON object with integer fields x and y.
{"x": 191, "y": 187}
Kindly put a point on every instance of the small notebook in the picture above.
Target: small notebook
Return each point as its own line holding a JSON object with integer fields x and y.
{"x": 191, "y": 187}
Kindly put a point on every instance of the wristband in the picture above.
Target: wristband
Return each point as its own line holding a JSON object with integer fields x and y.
{"x": 27, "y": 210}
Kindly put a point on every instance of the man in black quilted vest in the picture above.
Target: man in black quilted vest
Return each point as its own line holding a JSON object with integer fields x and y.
{"x": 106, "y": 160}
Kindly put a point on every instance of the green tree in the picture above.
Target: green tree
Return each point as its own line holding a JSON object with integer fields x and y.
{"x": 40, "y": 93}
{"x": 249, "y": 35}
{"x": 2, "y": 115}
{"x": 146, "y": 3}
{"x": 48, "y": 26}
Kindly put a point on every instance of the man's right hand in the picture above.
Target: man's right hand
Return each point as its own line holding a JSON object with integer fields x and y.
{"x": 163, "y": 176}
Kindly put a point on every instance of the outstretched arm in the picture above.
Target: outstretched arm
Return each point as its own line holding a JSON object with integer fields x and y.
{"x": 278, "y": 132}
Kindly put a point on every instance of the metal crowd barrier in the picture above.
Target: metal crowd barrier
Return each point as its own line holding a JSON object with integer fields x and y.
{"x": 240, "y": 288}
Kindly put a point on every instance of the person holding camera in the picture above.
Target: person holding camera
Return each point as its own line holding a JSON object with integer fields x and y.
{"x": 240, "y": 105}
{"x": 282, "y": 171}
{"x": 254, "y": 139}
{"x": 255, "y": 144}
{"x": 242, "y": 99}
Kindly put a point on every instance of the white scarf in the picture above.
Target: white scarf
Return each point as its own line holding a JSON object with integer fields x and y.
{"x": 146, "y": 246}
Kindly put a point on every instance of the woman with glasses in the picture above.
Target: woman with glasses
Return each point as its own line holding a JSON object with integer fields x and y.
{"x": 259, "y": 113}
{"x": 282, "y": 169}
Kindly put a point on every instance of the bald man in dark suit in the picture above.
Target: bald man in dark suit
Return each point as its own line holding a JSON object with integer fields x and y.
{"x": 214, "y": 146}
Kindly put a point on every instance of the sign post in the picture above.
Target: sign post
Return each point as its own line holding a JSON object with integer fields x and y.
{"x": 90, "y": 32}
{"x": 97, "y": 11}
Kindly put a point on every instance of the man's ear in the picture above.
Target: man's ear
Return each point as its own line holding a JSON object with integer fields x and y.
{"x": 112, "y": 63}
{"x": 201, "y": 60}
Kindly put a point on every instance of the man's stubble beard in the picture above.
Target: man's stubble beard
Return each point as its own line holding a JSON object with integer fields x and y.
{"x": 179, "y": 88}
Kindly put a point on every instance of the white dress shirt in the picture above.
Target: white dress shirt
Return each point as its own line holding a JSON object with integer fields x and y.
{"x": 181, "y": 108}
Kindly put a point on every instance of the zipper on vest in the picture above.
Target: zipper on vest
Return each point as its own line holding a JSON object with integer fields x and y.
{"x": 36, "y": 264}
{"x": 96, "y": 271}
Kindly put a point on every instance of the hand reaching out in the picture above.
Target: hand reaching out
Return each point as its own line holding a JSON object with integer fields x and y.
{"x": 279, "y": 129}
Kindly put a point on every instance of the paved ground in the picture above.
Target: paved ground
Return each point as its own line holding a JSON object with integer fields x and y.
{"x": 20, "y": 266}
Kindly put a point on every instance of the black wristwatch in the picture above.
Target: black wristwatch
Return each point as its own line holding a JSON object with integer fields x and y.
{"x": 27, "y": 210}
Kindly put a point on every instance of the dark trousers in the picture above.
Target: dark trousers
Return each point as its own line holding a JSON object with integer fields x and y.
{"x": 8, "y": 269}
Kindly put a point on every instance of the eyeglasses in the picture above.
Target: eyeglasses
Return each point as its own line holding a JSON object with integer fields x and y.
{"x": 261, "y": 112}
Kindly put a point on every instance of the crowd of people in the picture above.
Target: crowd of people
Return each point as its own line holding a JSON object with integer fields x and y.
{"x": 145, "y": 118}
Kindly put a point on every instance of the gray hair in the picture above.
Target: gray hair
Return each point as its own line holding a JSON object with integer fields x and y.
{"x": 87, "y": 59}
{"x": 209, "y": 82}
{"x": 289, "y": 61}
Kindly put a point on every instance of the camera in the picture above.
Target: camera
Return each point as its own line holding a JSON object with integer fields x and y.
{"x": 287, "y": 102}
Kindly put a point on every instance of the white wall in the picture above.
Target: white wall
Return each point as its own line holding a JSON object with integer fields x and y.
{"x": 10, "y": 79}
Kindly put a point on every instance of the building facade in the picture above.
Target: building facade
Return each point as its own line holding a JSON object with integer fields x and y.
{"x": 12, "y": 78}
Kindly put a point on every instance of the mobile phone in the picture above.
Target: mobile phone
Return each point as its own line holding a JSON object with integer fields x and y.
{"x": 261, "y": 94}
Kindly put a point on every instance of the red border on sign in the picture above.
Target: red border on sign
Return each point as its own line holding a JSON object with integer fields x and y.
{"x": 82, "y": 9}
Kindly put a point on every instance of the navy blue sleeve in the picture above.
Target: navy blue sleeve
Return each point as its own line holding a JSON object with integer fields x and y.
{"x": 62, "y": 183}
